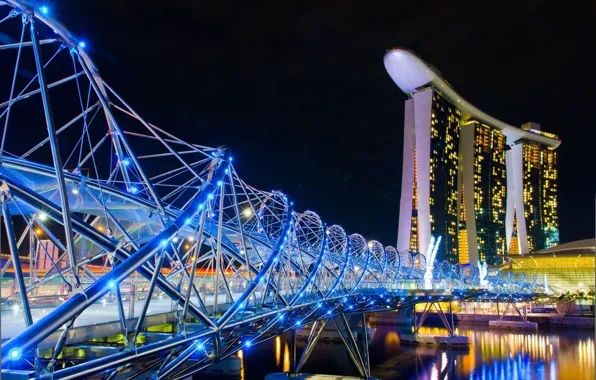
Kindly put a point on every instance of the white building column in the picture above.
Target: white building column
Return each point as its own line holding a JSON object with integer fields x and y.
{"x": 466, "y": 149}
{"x": 422, "y": 113}
{"x": 515, "y": 196}
{"x": 510, "y": 204}
{"x": 407, "y": 180}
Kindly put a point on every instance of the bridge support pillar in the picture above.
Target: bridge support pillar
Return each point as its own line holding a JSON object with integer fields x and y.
{"x": 417, "y": 338}
{"x": 359, "y": 355}
{"x": 447, "y": 322}
{"x": 524, "y": 324}
{"x": 294, "y": 370}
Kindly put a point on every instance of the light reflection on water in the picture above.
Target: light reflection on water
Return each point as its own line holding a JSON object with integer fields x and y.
{"x": 546, "y": 354}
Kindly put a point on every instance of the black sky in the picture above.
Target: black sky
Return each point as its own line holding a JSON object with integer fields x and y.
{"x": 299, "y": 92}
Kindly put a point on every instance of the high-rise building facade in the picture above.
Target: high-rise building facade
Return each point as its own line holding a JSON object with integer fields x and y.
{"x": 483, "y": 188}
{"x": 486, "y": 187}
{"x": 540, "y": 191}
{"x": 429, "y": 186}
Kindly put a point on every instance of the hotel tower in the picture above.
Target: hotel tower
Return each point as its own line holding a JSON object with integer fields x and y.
{"x": 487, "y": 187}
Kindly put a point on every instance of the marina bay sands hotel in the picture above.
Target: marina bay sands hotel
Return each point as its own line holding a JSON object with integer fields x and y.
{"x": 487, "y": 187}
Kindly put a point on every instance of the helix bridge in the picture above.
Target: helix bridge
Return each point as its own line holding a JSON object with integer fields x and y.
{"x": 136, "y": 228}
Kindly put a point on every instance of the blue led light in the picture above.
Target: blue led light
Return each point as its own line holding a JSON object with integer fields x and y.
{"x": 200, "y": 207}
{"x": 281, "y": 317}
{"x": 319, "y": 305}
{"x": 112, "y": 284}
{"x": 298, "y": 323}
{"x": 15, "y": 354}
{"x": 82, "y": 44}
{"x": 351, "y": 307}
{"x": 248, "y": 343}
{"x": 164, "y": 242}
{"x": 44, "y": 10}
{"x": 201, "y": 346}
{"x": 218, "y": 183}
{"x": 126, "y": 162}
{"x": 134, "y": 190}
{"x": 187, "y": 221}
{"x": 328, "y": 312}
{"x": 210, "y": 196}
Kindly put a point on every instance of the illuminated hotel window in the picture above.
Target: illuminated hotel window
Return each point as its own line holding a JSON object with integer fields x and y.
{"x": 540, "y": 195}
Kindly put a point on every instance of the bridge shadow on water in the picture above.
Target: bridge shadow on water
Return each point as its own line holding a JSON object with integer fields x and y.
{"x": 546, "y": 354}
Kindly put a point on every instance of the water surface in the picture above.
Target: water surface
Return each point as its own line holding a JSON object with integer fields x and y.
{"x": 546, "y": 354}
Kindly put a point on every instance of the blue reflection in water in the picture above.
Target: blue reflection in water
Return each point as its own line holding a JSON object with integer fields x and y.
{"x": 546, "y": 354}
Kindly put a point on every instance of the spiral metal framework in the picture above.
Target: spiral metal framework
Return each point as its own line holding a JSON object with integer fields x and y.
{"x": 240, "y": 264}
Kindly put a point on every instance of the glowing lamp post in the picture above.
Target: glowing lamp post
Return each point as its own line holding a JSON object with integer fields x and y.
{"x": 482, "y": 273}
{"x": 431, "y": 254}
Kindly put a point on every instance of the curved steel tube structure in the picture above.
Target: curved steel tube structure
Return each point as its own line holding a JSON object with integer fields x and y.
{"x": 82, "y": 170}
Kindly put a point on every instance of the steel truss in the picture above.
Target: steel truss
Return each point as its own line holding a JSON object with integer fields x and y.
{"x": 162, "y": 219}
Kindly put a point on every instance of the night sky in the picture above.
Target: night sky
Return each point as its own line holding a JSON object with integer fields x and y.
{"x": 299, "y": 93}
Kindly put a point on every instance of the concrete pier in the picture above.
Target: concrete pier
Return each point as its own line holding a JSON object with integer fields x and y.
{"x": 231, "y": 366}
{"x": 330, "y": 334}
{"x": 513, "y": 325}
{"x": 392, "y": 318}
{"x": 418, "y": 339}
{"x": 309, "y": 376}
